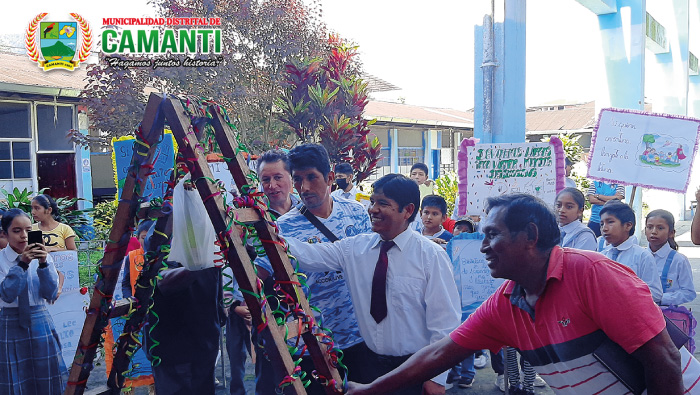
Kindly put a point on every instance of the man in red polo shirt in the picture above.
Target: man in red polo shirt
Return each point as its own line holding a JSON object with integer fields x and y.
{"x": 556, "y": 308}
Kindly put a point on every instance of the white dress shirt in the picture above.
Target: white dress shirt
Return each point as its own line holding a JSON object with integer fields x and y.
{"x": 455, "y": 211}
{"x": 350, "y": 195}
{"x": 42, "y": 283}
{"x": 422, "y": 298}
{"x": 579, "y": 236}
{"x": 680, "y": 277}
{"x": 641, "y": 261}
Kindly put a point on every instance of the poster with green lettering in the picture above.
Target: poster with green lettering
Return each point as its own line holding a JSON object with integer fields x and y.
{"x": 643, "y": 149}
{"x": 486, "y": 170}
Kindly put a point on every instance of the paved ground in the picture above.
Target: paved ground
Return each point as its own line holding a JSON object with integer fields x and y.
{"x": 485, "y": 378}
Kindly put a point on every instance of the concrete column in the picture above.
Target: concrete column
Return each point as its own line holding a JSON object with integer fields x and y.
{"x": 623, "y": 37}
{"x": 507, "y": 102}
{"x": 667, "y": 83}
{"x": 83, "y": 168}
{"x": 394, "y": 149}
{"x": 694, "y": 80}
{"x": 694, "y": 96}
{"x": 427, "y": 157}
{"x": 438, "y": 146}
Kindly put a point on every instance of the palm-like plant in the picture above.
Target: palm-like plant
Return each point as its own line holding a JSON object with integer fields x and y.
{"x": 324, "y": 101}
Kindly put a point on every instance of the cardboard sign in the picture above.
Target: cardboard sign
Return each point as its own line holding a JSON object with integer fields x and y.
{"x": 140, "y": 365}
{"x": 472, "y": 275}
{"x": 122, "y": 152}
{"x": 220, "y": 172}
{"x": 643, "y": 149}
{"x": 486, "y": 170}
{"x": 68, "y": 312}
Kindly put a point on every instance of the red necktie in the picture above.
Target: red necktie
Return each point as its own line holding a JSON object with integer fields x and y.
{"x": 378, "y": 304}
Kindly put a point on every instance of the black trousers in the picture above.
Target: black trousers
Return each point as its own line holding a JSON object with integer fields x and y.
{"x": 378, "y": 365}
{"x": 353, "y": 358}
{"x": 186, "y": 378}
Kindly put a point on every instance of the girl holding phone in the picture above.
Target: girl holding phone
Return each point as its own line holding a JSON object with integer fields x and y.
{"x": 30, "y": 352}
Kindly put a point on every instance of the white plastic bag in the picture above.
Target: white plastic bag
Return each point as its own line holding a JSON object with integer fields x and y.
{"x": 193, "y": 234}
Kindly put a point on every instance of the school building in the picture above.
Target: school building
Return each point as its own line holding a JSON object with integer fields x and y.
{"x": 38, "y": 111}
{"x": 411, "y": 134}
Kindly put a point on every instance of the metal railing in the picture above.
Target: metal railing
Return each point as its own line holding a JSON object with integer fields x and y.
{"x": 90, "y": 252}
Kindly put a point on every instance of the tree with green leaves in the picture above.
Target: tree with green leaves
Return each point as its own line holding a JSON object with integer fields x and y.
{"x": 572, "y": 147}
{"x": 259, "y": 38}
{"x": 574, "y": 152}
{"x": 324, "y": 101}
{"x": 648, "y": 140}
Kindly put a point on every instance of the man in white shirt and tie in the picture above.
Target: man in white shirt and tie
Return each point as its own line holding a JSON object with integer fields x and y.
{"x": 401, "y": 283}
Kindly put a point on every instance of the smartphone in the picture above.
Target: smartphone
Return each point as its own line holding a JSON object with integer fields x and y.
{"x": 35, "y": 236}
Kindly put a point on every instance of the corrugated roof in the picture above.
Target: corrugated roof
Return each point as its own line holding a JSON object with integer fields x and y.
{"x": 407, "y": 113}
{"x": 376, "y": 84}
{"x": 20, "y": 70}
{"x": 576, "y": 117}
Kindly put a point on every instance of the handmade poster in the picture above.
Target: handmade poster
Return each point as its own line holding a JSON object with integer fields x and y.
{"x": 140, "y": 365}
{"x": 220, "y": 172}
{"x": 486, "y": 170}
{"x": 68, "y": 312}
{"x": 472, "y": 275}
{"x": 164, "y": 161}
{"x": 643, "y": 149}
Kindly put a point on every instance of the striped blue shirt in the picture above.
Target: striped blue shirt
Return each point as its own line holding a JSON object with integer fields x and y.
{"x": 328, "y": 290}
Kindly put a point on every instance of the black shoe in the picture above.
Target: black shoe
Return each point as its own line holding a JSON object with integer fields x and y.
{"x": 465, "y": 382}
{"x": 451, "y": 378}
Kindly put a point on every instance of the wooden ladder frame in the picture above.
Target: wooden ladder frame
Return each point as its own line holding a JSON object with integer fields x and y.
{"x": 169, "y": 108}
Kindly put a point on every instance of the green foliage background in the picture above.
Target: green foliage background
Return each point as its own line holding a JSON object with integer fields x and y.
{"x": 446, "y": 186}
{"x": 22, "y": 200}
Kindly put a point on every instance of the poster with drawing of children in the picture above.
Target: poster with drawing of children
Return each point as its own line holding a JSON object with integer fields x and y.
{"x": 643, "y": 149}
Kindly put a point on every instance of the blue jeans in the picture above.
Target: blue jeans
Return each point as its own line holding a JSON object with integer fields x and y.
{"x": 465, "y": 368}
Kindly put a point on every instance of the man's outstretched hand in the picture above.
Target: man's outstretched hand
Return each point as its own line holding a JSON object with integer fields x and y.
{"x": 357, "y": 388}
{"x": 432, "y": 388}
{"x": 429, "y": 388}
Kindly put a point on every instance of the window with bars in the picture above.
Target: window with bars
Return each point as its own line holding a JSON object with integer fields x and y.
{"x": 15, "y": 143}
{"x": 53, "y": 122}
{"x": 383, "y": 166}
{"x": 15, "y": 120}
{"x": 15, "y": 160}
{"x": 408, "y": 157}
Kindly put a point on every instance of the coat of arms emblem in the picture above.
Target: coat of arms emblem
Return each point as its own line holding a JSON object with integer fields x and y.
{"x": 58, "y": 44}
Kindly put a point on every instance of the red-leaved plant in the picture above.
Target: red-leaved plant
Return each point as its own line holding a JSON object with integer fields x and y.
{"x": 323, "y": 102}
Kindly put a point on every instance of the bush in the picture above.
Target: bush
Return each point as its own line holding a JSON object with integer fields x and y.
{"x": 103, "y": 215}
{"x": 17, "y": 199}
{"x": 77, "y": 219}
{"x": 447, "y": 188}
